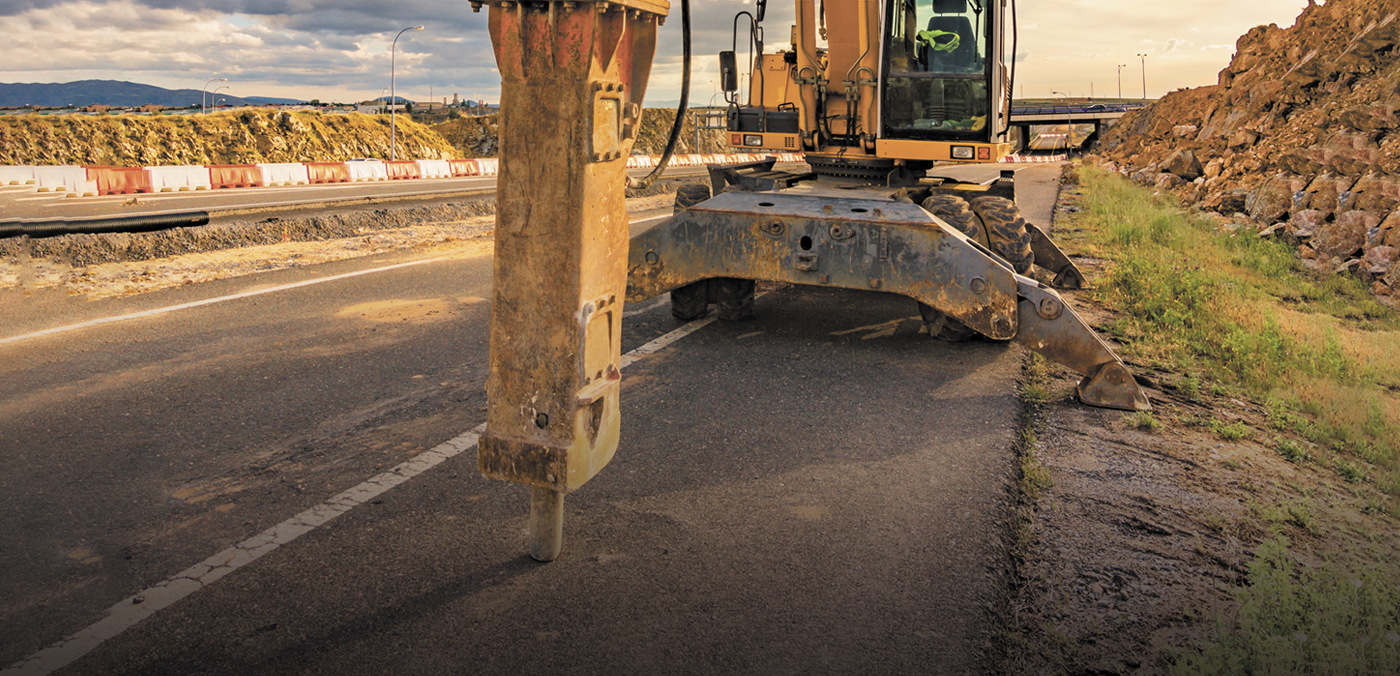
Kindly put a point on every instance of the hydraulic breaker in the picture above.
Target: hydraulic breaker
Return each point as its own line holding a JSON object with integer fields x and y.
{"x": 573, "y": 76}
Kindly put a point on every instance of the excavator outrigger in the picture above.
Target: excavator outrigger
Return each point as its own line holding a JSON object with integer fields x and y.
{"x": 874, "y": 92}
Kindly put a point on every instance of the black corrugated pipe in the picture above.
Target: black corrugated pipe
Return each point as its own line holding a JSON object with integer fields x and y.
{"x": 94, "y": 226}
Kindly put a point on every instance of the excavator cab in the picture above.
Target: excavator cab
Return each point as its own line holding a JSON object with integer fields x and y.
{"x": 871, "y": 84}
{"x": 938, "y": 78}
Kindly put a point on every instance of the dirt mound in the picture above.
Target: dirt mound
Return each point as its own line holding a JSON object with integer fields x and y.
{"x": 237, "y": 137}
{"x": 1301, "y": 137}
{"x": 479, "y": 136}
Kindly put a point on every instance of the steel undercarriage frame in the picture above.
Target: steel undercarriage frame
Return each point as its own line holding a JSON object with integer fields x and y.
{"x": 871, "y": 242}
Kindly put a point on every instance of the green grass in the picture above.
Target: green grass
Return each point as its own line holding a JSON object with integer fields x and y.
{"x": 1145, "y": 421}
{"x": 1242, "y": 318}
{"x": 1328, "y": 620}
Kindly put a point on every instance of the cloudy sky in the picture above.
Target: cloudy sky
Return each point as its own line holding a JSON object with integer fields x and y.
{"x": 339, "y": 50}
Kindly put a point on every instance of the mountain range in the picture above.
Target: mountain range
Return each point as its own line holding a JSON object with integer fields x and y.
{"x": 119, "y": 94}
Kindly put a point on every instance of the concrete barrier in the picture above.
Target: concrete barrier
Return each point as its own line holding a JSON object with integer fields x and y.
{"x": 284, "y": 173}
{"x": 327, "y": 172}
{"x": 235, "y": 176}
{"x": 121, "y": 180}
{"x": 17, "y": 175}
{"x": 400, "y": 170}
{"x": 179, "y": 178}
{"x": 434, "y": 169}
{"x": 367, "y": 170}
{"x": 60, "y": 179}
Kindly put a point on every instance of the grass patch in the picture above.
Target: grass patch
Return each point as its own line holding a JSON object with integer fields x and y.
{"x": 1329, "y": 620}
{"x": 1034, "y": 476}
{"x": 1144, "y": 421}
{"x": 1243, "y": 318}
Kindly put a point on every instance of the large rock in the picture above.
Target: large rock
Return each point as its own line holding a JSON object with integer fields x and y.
{"x": 1183, "y": 163}
{"x": 1381, "y": 259}
{"x": 1166, "y": 181}
{"x": 1273, "y": 201}
{"x": 1226, "y": 202}
{"x": 1304, "y": 224}
{"x": 1346, "y": 236}
{"x": 1375, "y": 193}
{"x": 1324, "y": 193}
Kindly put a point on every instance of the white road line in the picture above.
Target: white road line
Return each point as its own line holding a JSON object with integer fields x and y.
{"x": 130, "y": 611}
{"x": 207, "y": 301}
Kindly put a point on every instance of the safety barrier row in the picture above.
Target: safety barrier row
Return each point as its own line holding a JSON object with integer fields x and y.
{"x": 103, "y": 180}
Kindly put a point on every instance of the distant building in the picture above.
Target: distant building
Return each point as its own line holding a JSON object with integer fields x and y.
{"x": 97, "y": 108}
{"x": 150, "y": 108}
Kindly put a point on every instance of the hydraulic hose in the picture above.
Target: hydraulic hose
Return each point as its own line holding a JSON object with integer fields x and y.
{"x": 644, "y": 183}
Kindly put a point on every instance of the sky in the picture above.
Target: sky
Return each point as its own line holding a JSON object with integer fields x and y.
{"x": 338, "y": 50}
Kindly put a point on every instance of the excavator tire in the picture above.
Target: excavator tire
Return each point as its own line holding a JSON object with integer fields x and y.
{"x": 734, "y": 298}
{"x": 1006, "y": 230}
{"x": 944, "y": 328}
{"x": 691, "y": 194}
{"x": 691, "y": 301}
{"x": 955, "y": 211}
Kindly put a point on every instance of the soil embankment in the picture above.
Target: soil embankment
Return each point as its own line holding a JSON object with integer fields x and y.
{"x": 1300, "y": 139}
{"x": 239, "y": 137}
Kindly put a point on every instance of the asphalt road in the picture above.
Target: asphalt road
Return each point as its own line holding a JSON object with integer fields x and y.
{"x": 820, "y": 489}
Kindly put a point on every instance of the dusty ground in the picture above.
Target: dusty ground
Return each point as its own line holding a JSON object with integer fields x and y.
{"x": 1133, "y": 542}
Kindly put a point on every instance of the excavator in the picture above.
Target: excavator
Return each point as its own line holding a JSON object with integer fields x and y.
{"x": 874, "y": 93}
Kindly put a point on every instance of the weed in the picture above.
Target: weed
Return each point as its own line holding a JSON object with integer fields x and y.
{"x": 1292, "y": 451}
{"x": 1350, "y": 472}
{"x": 1230, "y": 432}
{"x": 1035, "y": 392}
{"x": 1191, "y": 387}
{"x": 1145, "y": 421}
{"x": 1230, "y": 463}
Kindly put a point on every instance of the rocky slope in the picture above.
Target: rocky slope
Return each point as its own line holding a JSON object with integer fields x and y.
{"x": 1300, "y": 138}
{"x": 237, "y": 137}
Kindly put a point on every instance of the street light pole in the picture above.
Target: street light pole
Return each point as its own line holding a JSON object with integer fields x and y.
{"x": 204, "y": 95}
{"x": 216, "y": 93}
{"x": 1121, "y": 66}
{"x": 393, "y": 94}
{"x": 1069, "y": 129}
{"x": 1144, "y": 76}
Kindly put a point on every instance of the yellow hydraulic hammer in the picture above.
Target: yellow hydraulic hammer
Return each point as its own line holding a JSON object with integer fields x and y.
{"x": 573, "y": 75}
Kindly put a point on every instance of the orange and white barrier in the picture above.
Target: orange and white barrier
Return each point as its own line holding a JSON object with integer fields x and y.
{"x": 367, "y": 170}
{"x": 178, "y": 178}
{"x": 434, "y": 169}
{"x": 284, "y": 173}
